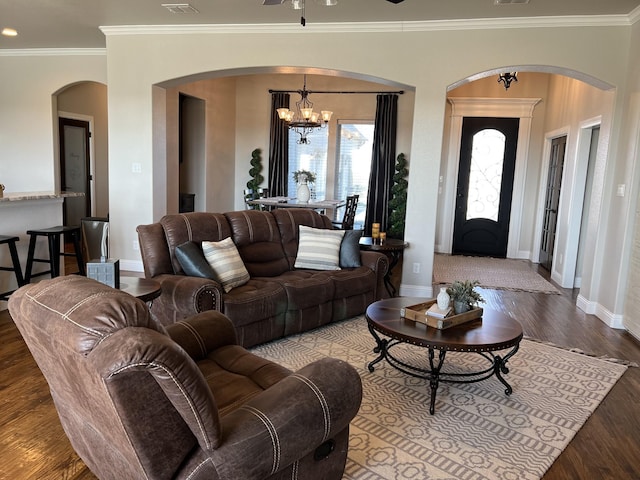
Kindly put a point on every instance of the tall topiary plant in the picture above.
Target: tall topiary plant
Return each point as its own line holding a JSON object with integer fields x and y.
{"x": 398, "y": 203}
{"x": 254, "y": 172}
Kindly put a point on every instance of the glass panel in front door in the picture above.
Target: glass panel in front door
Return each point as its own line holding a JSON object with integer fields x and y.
{"x": 485, "y": 175}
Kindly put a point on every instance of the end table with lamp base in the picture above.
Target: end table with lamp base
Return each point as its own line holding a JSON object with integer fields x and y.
{"x": 393, "y": 248}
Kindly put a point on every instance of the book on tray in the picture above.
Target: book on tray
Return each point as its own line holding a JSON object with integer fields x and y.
{"x": 434, "y": 311}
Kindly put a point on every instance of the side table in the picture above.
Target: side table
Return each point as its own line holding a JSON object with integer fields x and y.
{"x": 143, "y": 288}
{"x": 392, "y": 248}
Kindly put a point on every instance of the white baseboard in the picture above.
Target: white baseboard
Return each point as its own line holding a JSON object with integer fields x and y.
{"x": 612, "y": 320}
{"x": 415, "y": 291}
{"x": 131, "y": 265}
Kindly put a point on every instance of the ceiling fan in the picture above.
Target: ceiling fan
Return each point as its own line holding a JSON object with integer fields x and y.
{"x": 299, "y": 5}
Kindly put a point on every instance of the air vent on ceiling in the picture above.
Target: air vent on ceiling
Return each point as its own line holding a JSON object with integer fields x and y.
{"x": 510, "y": 2}
{"x": 179, "y": 8}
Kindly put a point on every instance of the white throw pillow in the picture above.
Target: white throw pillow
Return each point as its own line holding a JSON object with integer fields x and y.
{"x": 225, "y": 261}
{"x": 318, "y": 248}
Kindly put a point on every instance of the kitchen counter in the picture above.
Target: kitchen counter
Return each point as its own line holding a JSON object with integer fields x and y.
{"x": 21, "y": 211}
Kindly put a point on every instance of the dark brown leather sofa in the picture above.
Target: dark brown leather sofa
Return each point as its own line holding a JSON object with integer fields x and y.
{"x": 139, "y": 401}
{"x": 279, "y": 299}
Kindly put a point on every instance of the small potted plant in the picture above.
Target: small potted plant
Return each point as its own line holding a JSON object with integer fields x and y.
{"x": 464, "y": 296}
{"x": 299, "y": 176}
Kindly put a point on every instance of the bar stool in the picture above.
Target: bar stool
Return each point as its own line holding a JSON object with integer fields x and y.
{"x": 11, "y": 241}
{"x": 53, "y": 235}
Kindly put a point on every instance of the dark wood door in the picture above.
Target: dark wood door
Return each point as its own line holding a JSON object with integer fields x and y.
{"x": 75, "y": 170}
{"x": 551, "y": 202}
{"x": 485, "y": 186}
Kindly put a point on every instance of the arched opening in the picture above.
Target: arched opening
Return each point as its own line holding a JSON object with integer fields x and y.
{"x": 564, "y": 103}
{"x": 81, "y": 108}
{"x": 237, "y": 119}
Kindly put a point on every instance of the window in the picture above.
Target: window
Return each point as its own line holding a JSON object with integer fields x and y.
{"x": 485, "y": 177}
{"x": 311, "y": 157}
{"x": 353, "y": 166}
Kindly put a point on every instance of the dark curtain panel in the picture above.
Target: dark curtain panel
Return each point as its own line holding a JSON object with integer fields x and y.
{"x": 278, "y": 148}
{"x": 382, "y": 162}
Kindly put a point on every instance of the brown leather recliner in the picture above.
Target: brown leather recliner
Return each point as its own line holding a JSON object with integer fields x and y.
{"x": 140, "y": 401}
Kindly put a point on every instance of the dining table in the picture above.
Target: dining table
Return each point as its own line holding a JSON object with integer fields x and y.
{"x": 326, "y": 206}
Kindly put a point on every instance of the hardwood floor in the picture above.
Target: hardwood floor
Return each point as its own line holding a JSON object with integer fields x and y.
{"x": 34, "y": 446}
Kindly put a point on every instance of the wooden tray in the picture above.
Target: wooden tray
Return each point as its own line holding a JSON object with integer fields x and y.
{"x": 418, "y": 313}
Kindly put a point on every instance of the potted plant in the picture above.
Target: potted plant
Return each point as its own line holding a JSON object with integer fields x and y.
{"x": 254, "y": 173}
{"x": 398, "y": 202}
{"x": 464, "y": 296}
{"x": 303, "y": 178}
{"x": 299, "y": 176}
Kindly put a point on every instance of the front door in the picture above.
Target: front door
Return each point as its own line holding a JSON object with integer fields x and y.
{"x": 75, "y": 171}
{"x": 485, "y": 186}
{"x": 551, "y": 202}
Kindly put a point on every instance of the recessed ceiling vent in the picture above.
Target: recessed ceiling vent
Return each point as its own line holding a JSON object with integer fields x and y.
{"x": 179, "y": 8}
{"x": 510, "y": 2}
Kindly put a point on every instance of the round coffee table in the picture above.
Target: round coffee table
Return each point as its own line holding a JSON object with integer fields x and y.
{"x": 493, "y": 332}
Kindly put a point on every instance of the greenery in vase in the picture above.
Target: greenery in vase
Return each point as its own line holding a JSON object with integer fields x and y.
{"x": 297, "y": 176}
{"x": 254, "y": 172}
{"x": 464, "y": 292}
{"x": 398, "y": 202}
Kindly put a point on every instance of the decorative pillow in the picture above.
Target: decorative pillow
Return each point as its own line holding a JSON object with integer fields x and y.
{"x": 350, "y": 249}
{"x": 224, "y": 259}
{"x": 318, "y": 248}
{"x": 192, "y": 261}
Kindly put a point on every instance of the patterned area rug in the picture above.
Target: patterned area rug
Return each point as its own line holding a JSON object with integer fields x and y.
{"x": 499, "y": 273}
{"x": 477, "y": 431}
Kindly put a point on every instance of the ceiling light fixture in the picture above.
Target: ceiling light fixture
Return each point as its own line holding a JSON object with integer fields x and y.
{"x": 9, "y": 32}
{"x": 304, "y": 120}
{"x": 507, "y": 78}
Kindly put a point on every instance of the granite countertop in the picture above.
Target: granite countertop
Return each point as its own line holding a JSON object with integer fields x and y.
{"x": 19, "y": 196}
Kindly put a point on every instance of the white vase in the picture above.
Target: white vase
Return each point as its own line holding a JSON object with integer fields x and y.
{"x": 443, "y": 299}
{"x": 303, "y": 193}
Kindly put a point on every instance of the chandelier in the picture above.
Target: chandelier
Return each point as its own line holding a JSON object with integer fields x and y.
{"x": 507, "y": 78}
{"x": 304, "y": 120}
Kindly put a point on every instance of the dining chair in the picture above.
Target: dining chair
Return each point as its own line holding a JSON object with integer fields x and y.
{"x": 349, "y": 214}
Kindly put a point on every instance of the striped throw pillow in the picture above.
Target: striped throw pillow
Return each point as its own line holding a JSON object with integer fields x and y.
{"x": 225, "y": 261}
{"x": 318, "y": 248}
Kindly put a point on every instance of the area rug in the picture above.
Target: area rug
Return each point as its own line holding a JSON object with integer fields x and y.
{"x": 477, "y": 431}
{"x": 499, "y": 273}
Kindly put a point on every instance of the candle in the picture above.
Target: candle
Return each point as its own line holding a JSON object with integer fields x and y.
{"x": 383, "y": 236}
{"x": 375, "y": 230}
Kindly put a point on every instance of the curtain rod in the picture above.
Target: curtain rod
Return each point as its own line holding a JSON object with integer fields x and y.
{"x": 399, "y": 92}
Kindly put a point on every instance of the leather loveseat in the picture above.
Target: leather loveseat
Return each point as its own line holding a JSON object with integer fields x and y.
{"x": 138, "y": 401}
{"x": 278, "y": 299}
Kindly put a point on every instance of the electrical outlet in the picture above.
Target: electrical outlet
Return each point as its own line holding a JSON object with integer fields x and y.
{"x": 136, "y": 167}
{"x": 416, "y": 268}
{"x": 136, "y": 245}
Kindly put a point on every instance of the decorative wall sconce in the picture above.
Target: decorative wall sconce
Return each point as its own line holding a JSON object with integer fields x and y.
{"x": 507, "y": 78}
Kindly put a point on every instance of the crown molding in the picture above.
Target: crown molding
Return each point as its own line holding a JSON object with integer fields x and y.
{"x": 634, "y": 16}
{"x": 52, "y": 52}
{"x": 376, "y": 27}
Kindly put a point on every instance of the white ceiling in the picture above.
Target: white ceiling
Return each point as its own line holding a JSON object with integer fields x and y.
{"x": 74, "y": 23}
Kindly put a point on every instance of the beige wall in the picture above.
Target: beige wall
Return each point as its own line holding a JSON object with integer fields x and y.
{"x": 427, "y": 61}
{"x": 629, "y": 289}
{"x": 28, "y": 114}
